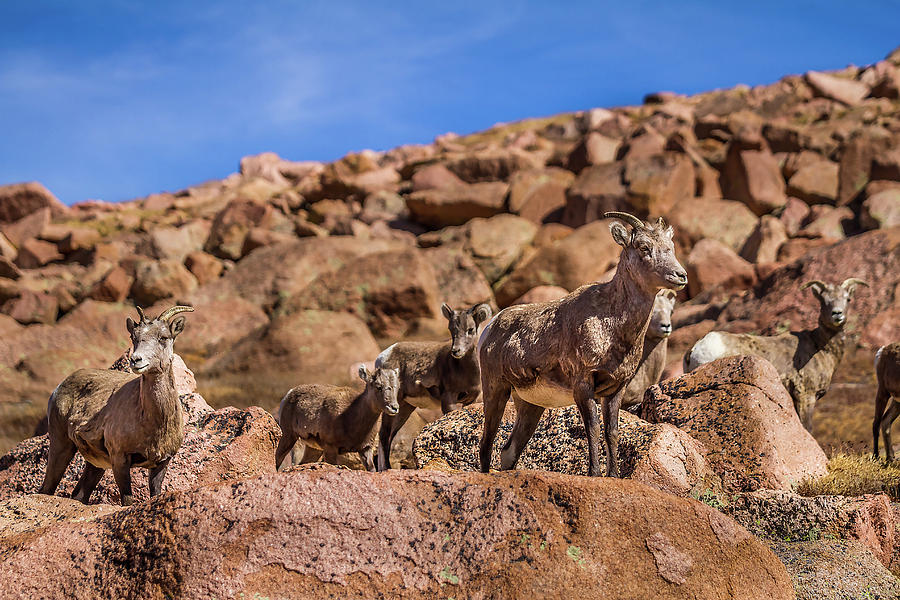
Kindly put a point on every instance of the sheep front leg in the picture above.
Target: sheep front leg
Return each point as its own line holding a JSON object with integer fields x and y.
{"x": 888, "y": 420}
{"x": 121, "y": 467}
{"x": 157, "y": 475}
{"x": 881, "y": 402}
{"x": 496, "y": 395}
{"x": 611, "y": 406}
{"x": 584, "y": 399}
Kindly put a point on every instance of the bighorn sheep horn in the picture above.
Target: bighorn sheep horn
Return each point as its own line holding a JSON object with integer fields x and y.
{"x": 174, "y": 311}
{"x": 140, "y": 312}
{"x": 813, "y": 282}
{"x": 853, "y": 281}
{"x": 630, "y": 219}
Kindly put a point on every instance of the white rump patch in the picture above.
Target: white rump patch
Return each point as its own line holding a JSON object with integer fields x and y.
{"x": 709, "y": 348}
{"x": 384, "y": 356}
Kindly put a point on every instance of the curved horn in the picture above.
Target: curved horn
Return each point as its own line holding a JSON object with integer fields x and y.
{"x": 630, "y": 219}
{"x": 174, "y": 311}
{"x": 853, "y": 281}
{"x": 140, "y": 312}
{"x": 813, "y": 282}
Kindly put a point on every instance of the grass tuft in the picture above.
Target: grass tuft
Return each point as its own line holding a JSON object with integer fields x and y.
{"x": 853, "y": 475}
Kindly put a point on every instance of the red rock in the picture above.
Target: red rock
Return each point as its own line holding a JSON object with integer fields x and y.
{"x": 35, "y": 253}
{"x": 885, "y": 81}
{"x": 383, "y": 205}
{"x": 881, "y": 210}
{"x": 594, "y": 149}
{"x": 800, "y": 247}
{"x": 598, "y": 189}
{"x": 542, "y": 293}
{"x": 712, "y": 264}
{"x": 158, "y": 202}
{"x": 856, "y": 161}
{"x": 7, "y": 250}
{"x": 435, "y": 176}
{"x": 31, "y": 307}
{"x": 828, "y": 223}
{"x": 18, "y": 200}
{"x": 727, "y": 221}
{"x": 460, "y": 281}
{"x": 204, "y": 267}
{"x": 157, "y": 280}
{"x": 763, "y": 244}
{"x": 8, "y": 269}
{"x": 491, "y": 164}
{"x": 644, "y": 143}
{"x": 753, "y": 177}
{"x": 393, "y": 534}
{"x": 113, "y": 287}
{"x": 28, "y": 227}
{"x": 655, "y": 183}
{"x": 886, "y": 165}
{"x": 738, "y": 409}
{"x": 539, "y": 195}
{"x": 217, "y": 326}
{"x": 258, "y": 237}
{"x": 580, "y": 258}
{"x": 846, "y": 91}
{"x": 816, "y": 183}
{"x": 456, "y": 205}
{"x": 177, "y": 242}
{"x": 79, "y": 238}
{"x": 265, "y": 166}
{"x": 794, "y": 215}
{"x": 231, "y": 225}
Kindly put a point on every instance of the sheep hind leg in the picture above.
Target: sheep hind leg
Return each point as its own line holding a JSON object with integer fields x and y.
{"x": 285, "y": 444}
{"x": 121, "y": 466}
{"x": 527, "y": 418}
{"x": 496, "y": 395}
{"x": 157, "y": 475}
{"x": 61, "y": 453}
{"x": 89, "y": 480}
{"x": 889, "y": 416}
{"x": 881, "y": 401}
{"x": 587, "y": 407}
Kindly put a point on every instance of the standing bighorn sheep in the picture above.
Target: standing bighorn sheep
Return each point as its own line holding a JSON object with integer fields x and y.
{"x": 583, "y": 346}
{"x": 116, "y": 420}
{"x": 653, "y": 358}
{"x": 432, "y": 372}
{"x": 334, "y": 420}
{"x": 806, "y": 360}
{"x": 887, "y": 372}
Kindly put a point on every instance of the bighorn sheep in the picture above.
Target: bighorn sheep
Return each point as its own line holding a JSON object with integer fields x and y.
{"x": 580, "y": 347}
{"x": 653, "y": 358}
{"x": 433, "y": 372}
{"x": 887, "y": 372}
{"x": 116, "y": 420}
{"x": 334, "y": 420}
{"x": 806, "y": 360}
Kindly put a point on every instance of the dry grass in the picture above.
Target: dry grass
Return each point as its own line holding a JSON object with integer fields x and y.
{"x": 853, "y": 475}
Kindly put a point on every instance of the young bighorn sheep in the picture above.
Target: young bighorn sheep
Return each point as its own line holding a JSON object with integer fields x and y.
{"x": 433, "y": 372}
{"x": 116, "y": 420}
{"x": 887, "y": 372}
{"x": 653, "y": 358}
{"x": 334, "y": 420}
{"x": 578, "y": 348}
{"x": 806, "y": 360}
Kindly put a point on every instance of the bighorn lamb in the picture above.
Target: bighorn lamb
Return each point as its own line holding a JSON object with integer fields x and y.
{"x": 334, "y": 420}
{"x": 433, "y": 372}
{"x": 116, "y": 420}
{"x": 806, "y": 360}
{"x": 653, "y": 358}
{"x": 583, "y": 346}
{"x": 887, "y": 371}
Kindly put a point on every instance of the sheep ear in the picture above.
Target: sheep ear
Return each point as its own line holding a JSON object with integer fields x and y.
{"x": 176, "y": 326}
{"x": 670, "y": 232}
{"x": 130, "y": 325}
{"x": 481, "y": 313}
{"x": 446, "y": 311}
{"x": 620, "y": 234}
{"x": 364, "y": 373}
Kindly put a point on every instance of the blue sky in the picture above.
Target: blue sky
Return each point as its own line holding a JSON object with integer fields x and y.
{"x": 119, "y": 99}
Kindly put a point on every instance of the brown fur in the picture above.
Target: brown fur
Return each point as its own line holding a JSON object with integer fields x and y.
{"x": 335, "y": 420}
{"x": 588, "y": 343}
{"x": 887, "y": 372}
{"x": 434, "y": 372}
{"x": 806, "y": 360}
{"x": 116, "y": 420}
{"x": 653, "y": 358}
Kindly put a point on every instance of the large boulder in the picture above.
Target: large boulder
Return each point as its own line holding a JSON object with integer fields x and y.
{"x": 455, "y": 205}
{"x": 815, "y": 183}
{"x": 395, "y": 534}
{"x": 660, "y": 456}
{"x": 712, "y": 264}
{"x": 460, "y": 281}
{"x": 28, "y": 227}
{"x": 539, "y": 195}
{"x": 739, "y": 410}
{"x": 493, "y": 164}
{"x": 842, "y": 89}
{"x": 232, "y": 224}
{"x": 308, "y": 346}
{"x": 581, "y": 257}
{"x": 881, "y": 210}
{"x": 597, "y": 189}
{"x": 752, "y": 176}
{"x": 18, "y": 200}
{"x": 656, "y": 182}
{"x": 727, "y": 221}
{"x": 157, "y": 280}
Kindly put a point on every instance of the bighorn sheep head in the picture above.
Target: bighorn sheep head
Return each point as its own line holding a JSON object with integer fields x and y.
{"x": 386, "y": 385}
{"x": 648, "y": 251}
{"x": 833, "y": 300}
{"x": 661, "y": 317}
{"x": 463, "y": 326}
{"x": 153, "y": 340}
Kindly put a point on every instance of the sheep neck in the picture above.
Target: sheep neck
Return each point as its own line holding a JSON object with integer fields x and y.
{"x": 828, "y": 339}
{"x": 627, "y": 297}
{"x": 362, "y": 414}
{"x": 159, "y": 399}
